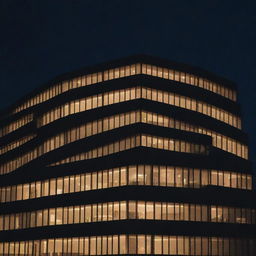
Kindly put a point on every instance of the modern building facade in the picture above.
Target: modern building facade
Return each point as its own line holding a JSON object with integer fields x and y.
{"x": 135, "y": 156}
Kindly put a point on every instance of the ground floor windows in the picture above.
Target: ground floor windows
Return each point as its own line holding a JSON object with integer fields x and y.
{"x": 132, "y": 244}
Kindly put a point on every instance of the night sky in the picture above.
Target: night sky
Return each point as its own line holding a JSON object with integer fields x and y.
{"x": 41, "y": 39}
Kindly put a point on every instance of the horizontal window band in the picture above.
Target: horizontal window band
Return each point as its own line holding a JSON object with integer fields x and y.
{"x": 144, "y": 140}
{"x": 123, "y": 95}
{"x": 142, "y": 175}
{"x": 15, "y": 144}
{"x": 13, "y": 126}
{"x": 109, "y": 123}
{"x": 132, "y": 244}
{"x": 111, "y": 211}
{"x": 16, "y": 163}
{"x": 126, "y": 71}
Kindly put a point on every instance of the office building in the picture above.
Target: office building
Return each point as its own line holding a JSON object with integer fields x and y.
{"x": 135, "y": 156}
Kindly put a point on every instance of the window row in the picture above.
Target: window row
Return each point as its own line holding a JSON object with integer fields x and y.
{"x": 191, "y": 104}
{"x": 116, "y": 121}
{"x": 125, "y": 71}
{"x": 127, "y": 175}
{"x": 188, "y": 79}
{"x": 90, "y": 102}
{"x": 126, "y": 210}
{"x": 77, "y": 82}
{"x": 132, "y": 244}
{"x": 16, "y": 144}
{"x": 218, "y": 140}
{"x": 72, "y": 135}
{"x": 17, "y": 162}
{"x": 15, "y": 125}
{"x": 128, "y": 94}
{"x": 117, "y": 146}
{"x": 144, "y": 140}
{"x": 119, "y": 120}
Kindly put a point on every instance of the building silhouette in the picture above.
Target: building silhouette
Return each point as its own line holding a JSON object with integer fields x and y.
{"x": 134, "y": 156}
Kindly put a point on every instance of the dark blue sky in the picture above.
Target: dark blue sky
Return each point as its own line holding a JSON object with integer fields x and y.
{"x": 44, "y": 38}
